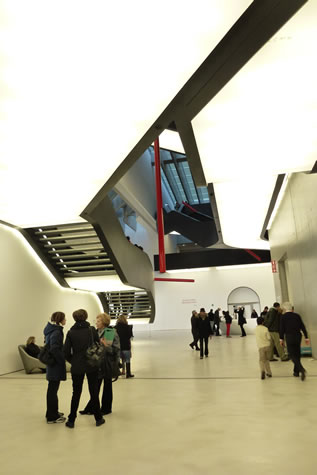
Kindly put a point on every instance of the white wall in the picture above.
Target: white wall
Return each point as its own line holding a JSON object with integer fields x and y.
{"x": 28, "y": 297}
{"x": 212, "y": 287}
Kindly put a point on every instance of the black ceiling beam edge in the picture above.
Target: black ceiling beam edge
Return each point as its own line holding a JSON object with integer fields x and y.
{"x": 212, "y": 258}
{"x": 276, "y": 191}
{"x": 254, "y": 28}
{"x": 246, "y": 37}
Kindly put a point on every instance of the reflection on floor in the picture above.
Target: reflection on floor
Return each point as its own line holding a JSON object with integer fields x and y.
{"x": 179, "y": 415}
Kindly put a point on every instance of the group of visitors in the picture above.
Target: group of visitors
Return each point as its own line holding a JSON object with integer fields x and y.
{"x": 280, "y": 328}
{"x": 204, "y": 325}
{"x": 81, "y": 336}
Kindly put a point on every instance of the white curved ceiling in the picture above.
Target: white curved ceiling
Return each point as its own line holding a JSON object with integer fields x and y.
{"x": 261, "y": 124}
{"x": 82, "y": 81}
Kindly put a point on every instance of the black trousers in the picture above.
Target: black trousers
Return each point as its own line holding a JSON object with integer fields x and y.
{"x": 196, "y": 338}
{"x": 201, "y": 341}
{"x": 216, "y": 328}
{"x": 78, "y": 380}
{"x": 52, "y": 401}
{"x": 107, "y": 396}
{"x": 243, "y": 333}
{"x": 293, "y": 348}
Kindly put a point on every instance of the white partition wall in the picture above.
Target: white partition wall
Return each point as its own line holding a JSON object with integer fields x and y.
{"x": 212, "y": 287}
{"x": 28, "y": 296}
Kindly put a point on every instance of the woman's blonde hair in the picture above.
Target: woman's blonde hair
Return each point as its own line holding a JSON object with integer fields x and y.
{"x": 31, "y": 339}
{"x": 122, "y": 319}
{"x": 105, "y": 318}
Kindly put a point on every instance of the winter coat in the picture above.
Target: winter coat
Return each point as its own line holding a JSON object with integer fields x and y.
{"x": 33, "y": 350}
{"x": 241, "y": 319}
{"x": 78, "y": 339}
{"x": 204, "y": 329}
{"x": 54, "y": 337}
{"x": 216, "y": 317}
{"x": 272, "y": 320}
{"x": 125, "y": 333}
{"x": 109, "y": 367}
{"x": 194, "y": 324}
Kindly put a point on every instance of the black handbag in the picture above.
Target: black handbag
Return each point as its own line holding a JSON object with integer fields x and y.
{"x": 95, "y": 352}
{"x": 45, "y": 356}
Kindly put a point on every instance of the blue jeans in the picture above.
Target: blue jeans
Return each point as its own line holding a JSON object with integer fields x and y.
{"x": 126, "y": 356}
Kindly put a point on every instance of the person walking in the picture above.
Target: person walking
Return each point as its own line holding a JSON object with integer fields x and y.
{"x": 204, "y": 331}
{"x": 290, "y": 329}
{"x": 241, "y": 320}
{"x": 263, "y": 340}
{"x": 78, "y": 339}
{"x": 228, "y": 319}
{"x": 55, "y": 373}
{"x": 272, "y": 322}
{"x": 194, "y": 325}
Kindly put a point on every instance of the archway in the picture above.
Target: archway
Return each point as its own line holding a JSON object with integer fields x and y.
{"x": 249, "y": 299}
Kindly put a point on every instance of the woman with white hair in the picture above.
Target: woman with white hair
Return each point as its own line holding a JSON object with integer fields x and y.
{"x": 290, "y": 329}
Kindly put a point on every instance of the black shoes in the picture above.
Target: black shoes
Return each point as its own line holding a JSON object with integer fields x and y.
{"x": 105, "y": 413}
{"x": 268, "y": 375}
{"x": 263, "y": 375}
{"x": 303, "y": 375}
{"x": 296, "y": 375}
{"x": 197, "y": 349}
{"x": 70, "y": 424}
{"x": 59, "y": 420}
{"x": 100, "y": 422}
{"x": 191, "y": 345}
{"x": 85, "y": 413}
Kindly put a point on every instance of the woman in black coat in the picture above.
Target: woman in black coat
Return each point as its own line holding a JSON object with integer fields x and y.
{"x": 204, "y": 331}
{"x": 78, "y": 339}
{"x": 55, "y": 373}
{"x": 241, "y": 320}
{"x": 111, "y": 356}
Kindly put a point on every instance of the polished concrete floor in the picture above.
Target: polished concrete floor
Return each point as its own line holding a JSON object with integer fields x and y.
{"x": 179, "y": 415}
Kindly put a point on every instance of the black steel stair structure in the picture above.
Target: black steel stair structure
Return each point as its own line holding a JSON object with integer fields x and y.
{"x": 73, "y": 250}
{"x": 135, "y": 304}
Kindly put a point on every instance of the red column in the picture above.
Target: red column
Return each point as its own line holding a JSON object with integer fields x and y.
{"x": 159, "y": 205}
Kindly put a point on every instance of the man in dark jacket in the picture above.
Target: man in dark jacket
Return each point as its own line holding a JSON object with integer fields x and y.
{"x": 291, "y": 327}
{"x": 205, "y": 332}
{"x": 272, "y": 322}
{"x": 78, "y": 339}
{"x": 194, "y": 325}
{"x": 217, "y": 322}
